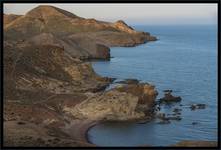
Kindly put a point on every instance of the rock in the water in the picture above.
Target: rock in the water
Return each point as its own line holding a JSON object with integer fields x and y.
{"x": 164, "y": 122}
{"x": 161, "y": 115}
{"x": 168, "y": 91}
{"x": 177, "y": 110}
{"x": 197, "y": 106}
{"x": 201, "y": 106}
{"x": 129, "y": 81}
{"x": 169, "y": 98}
{"x": 193, "y": 107}
{"x": 178, "y": 118}
{"x": 194, "y": 123}
{"x": 177, "y": 113}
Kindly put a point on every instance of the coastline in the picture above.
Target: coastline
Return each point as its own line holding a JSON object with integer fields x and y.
{"x": 85, "y": 133}
{"x": 85, "y": 127}
{"x": 59, "y": 94}
{"x": 78, "y": 130}
{"x": 182, "y": 143}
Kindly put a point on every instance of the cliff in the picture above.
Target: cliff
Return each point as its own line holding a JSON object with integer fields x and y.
{"x": 117, "y": 105}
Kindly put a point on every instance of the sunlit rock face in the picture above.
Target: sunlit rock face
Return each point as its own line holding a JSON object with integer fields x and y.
{"x": 122, "y": 103}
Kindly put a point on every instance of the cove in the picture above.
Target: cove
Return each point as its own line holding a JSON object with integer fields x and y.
{"x": 184, "y": 59}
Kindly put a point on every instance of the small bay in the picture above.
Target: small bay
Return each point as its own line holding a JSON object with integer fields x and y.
{"x": 184, "y": 59}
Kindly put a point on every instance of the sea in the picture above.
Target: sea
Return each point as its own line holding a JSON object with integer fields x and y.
{"x": 183, "y": 59}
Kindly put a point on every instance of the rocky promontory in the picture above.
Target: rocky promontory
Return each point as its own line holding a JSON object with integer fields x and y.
{"x": 81, "y": 38}
{"x": 51, "y": 94}
{"x": 118, "y": 104}
{"x": 46, "y": 89}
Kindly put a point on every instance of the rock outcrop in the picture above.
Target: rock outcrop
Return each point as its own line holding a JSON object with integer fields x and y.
{"x": 123, "y": 103}
{"x": 121, "y": 25}
{"x": 169, "y": 98}
{"x": 146, "y": 93}
{"x": 112, "y": 105}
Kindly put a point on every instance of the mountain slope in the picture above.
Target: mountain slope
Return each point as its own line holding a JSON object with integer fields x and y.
{"x": 9, "y": 18}
{"x": 80, "y": 37}
{"x": 54, "y": 20}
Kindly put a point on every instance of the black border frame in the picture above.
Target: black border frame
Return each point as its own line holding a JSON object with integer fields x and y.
{"x": 2, "y": 2}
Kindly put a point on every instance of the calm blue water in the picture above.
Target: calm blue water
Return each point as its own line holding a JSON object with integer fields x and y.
{"x": 184, "y": 59}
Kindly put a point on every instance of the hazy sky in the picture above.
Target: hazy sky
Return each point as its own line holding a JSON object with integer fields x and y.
{"x": 134, "y": 13}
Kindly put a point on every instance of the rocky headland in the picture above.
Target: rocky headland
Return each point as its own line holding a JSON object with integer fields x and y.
{"x": 79, "y": 37}
{"x": 52, "y": 95}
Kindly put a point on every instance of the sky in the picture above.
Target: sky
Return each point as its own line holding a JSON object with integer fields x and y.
{"x": 150, "y": 14}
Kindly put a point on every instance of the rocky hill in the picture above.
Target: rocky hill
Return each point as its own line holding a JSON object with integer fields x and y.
{"x": 80, "y": 37}
{"x": 51, "y": 95}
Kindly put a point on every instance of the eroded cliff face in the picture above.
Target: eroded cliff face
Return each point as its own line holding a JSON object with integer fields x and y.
{"x": 112, "y": 105}
{"x": 127, "y": 102}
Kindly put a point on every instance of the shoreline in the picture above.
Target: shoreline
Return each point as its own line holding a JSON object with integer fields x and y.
{"x": 86, "y": 137}
{"x": 78, "y": 130}
{"x": 182, "y": 143}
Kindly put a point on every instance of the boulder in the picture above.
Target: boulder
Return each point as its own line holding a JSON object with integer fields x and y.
{"x": 177, "y": 110}
{"x": 194, "y": 123}
{"x": 178, "y": 118}
{"x": 169, "y": 98}
{"x": 164, "y": 122}
{"x": 129, "y": 81}
{"x": 168, "y": 91}
{"x": 197, "y": 106}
